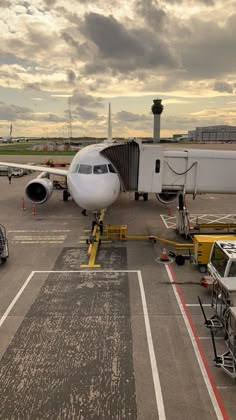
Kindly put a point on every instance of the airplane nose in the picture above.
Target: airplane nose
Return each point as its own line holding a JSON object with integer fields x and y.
{"x": 96, "y": 192}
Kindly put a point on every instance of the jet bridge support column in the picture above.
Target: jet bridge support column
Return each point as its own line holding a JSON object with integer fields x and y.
{"x": 182, "y": 219}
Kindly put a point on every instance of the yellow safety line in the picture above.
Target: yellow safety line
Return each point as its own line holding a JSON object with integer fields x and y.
{"x": 93, "y": 247}
{"x": 177, "y": 245}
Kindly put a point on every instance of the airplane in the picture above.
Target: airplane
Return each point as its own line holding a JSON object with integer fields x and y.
{"x": 92, "y": 181}
{"x": 10, "y": 139}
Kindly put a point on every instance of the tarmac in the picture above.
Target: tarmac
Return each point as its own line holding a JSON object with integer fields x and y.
{"x": 125, "y": 341}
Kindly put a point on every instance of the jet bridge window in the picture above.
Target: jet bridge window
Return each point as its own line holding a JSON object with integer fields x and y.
{"x": 100, "y": 169}
{"x": 158, "y": 166}
{"x": 85, "y": 169}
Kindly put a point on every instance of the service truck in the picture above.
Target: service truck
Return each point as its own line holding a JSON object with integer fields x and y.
{"x": 202, "y": 245}
{"x": 222, "y": 262}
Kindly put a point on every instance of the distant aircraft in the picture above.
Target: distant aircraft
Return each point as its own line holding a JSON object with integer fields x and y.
{"x": 92, "y": 180}
{"x": 10, "y": 139}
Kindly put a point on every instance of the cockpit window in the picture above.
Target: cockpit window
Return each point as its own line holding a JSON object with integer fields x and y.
{"x": 75, "y": 168}
{"x": 85, "y": 169}
{"x": 111, "y": 168}
{"x": 100, "y": 169}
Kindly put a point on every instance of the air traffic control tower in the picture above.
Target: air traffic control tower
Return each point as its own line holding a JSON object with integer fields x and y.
{"x": 157, "y": 109}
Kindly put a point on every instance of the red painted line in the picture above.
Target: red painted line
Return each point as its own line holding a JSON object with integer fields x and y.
{"x": 208, "y": 371}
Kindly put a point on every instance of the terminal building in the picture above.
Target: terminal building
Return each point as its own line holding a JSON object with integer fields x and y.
{"x": 224, "y": 133}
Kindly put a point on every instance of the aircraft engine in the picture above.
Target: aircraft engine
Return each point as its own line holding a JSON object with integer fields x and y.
{"x": 167, "y": 197}
{"x": 39, "y": 190}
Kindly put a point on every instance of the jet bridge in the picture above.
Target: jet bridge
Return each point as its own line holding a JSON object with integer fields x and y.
{"x": 151, "y": 168}
{"x": 125, "y": 158}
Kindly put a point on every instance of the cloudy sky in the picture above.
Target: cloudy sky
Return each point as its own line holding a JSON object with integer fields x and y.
{"x": 127, "y": 52}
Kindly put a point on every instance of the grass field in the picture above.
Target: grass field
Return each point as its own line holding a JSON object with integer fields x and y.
{"x": 25, "y": 149}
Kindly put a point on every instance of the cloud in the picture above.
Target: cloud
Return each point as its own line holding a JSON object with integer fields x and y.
{"x": 130, "y": 117}
{"x": 50, "y": 3}
{"x": 152, "y": 12}
{"x": 84, "y": 100}
{"x": 221, "y": 86}
{"x": 71, "y": 76}
{"x": 5, "y": 4}
{"x": 15, "y": 113}
{"x": 121, "y": 49}
{"x": 192, "y": 2}
{"x": 208, "y": 50}
{"x": 85, "y": 114}
{"x": 94, "y": 50}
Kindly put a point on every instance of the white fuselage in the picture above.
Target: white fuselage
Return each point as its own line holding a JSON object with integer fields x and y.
{"x": 91, "y": 179}
{"x": 7, "y": 139}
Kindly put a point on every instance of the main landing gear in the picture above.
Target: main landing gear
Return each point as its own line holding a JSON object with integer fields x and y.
{"x": 66, "y": 195}
{"x": 140, "y": 194}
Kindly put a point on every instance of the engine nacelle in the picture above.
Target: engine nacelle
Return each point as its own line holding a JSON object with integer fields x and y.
{"x": 39, "y": 190}
{"x": 167, "y": 197}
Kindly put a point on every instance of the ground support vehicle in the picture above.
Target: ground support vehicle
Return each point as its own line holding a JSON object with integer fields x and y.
{"x": 227, "y": 360}
{"x": 16, "y": 172}
{"x": 224, "y": 320}
{"x": 3, "y": 170}
{"x": 202, "y": 248}
{"x": 4, "y": 251}
{"x": 222, "y": 267}
{"x": 59, "y": 185}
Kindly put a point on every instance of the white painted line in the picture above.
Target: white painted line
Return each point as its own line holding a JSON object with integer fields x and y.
{"x": 170, "y": 221}
{"x": 16, "y": 298}
{"x": 155, "y": 374}
{"x": 209, "y": 338}
{"x": 220, "y": 218}
{"x": 37, "y": 231}
{"x": 163, "y": 219}
{"x": 197, "y": 304}
{"x": 37, "y": 242}
{"x": 34, "y": 238}
{"x": 211, "y": 387}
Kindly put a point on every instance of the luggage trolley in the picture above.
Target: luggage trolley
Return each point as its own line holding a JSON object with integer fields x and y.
{"x": 227, "y": 360}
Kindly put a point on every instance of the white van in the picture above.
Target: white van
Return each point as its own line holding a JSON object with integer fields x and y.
{"x": 16, "y": 171}
{"x": 3, "y": 170}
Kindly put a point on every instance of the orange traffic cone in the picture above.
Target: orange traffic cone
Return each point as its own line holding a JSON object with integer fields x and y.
{"x": 34, "y": 209}
{"x": 23, "y": 204}
{"x": 164, "y": 256}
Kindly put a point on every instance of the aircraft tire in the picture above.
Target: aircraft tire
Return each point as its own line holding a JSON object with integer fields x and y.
{"x": 179, "y": 259}
{"x": 65, "y": 195}
{"x": 202, "y": 268}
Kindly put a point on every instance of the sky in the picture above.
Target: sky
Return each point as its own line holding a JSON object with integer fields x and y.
{"x": 63, "y": 60}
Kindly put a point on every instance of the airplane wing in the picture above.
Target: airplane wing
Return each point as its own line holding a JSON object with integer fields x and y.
{"x": 36, "y": 168}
